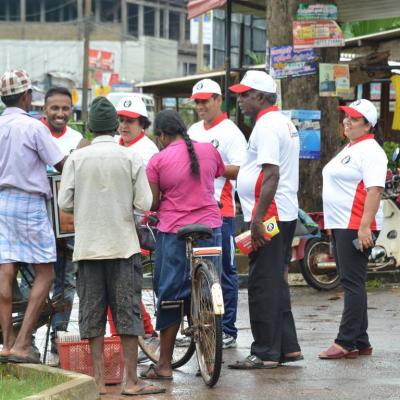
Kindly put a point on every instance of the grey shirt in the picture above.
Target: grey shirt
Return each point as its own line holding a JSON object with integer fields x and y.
{"x": 102, "y": 184}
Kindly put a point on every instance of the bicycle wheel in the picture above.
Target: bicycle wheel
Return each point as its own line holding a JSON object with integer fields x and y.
{"x": 184, "y": 345}
{"x": 207, "y": 325}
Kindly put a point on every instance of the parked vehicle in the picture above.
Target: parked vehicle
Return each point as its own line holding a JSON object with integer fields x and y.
{"x": 316, "y": 256}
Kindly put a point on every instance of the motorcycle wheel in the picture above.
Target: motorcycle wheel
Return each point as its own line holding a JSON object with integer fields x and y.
{"x": 317, "y": 250}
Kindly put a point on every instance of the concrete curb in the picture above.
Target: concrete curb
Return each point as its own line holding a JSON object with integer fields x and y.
{"x": 77, "y": 388}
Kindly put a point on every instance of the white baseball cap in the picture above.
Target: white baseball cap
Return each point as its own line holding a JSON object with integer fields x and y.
{"x": 132, "y": 107}
{"x": 362, "y": 108}
{"x": 204, "y": 89}
{"x": 258, "y": 80}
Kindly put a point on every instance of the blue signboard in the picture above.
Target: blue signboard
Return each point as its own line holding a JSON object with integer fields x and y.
{"x": 308, "y": 125}
{"x": 286, "y": 61}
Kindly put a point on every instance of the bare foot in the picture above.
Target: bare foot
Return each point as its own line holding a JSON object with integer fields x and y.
{"x": 140, "y": 388}
{"x": 101, "y": 389}
{"x": 293, "y": 354}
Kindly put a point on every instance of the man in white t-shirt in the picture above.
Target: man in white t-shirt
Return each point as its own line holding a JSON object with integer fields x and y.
{"x": 267, "y": 185}
{"x": 57, "y": 112}
{"x": 133, "y": 121}
{"x": 215, "y": 127}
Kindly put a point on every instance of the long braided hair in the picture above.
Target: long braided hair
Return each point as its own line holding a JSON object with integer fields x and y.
{"x": 170, "y": 123}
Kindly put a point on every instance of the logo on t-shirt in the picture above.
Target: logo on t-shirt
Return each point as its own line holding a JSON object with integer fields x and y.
{"x": 215, "y": 143}
{"x": 270, "y": 227}
{"x": 127, "y": 103}
{"x": 345, "y": 160}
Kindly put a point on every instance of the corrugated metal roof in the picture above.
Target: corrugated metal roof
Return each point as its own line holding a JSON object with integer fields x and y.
{"x": 360, "y": 10}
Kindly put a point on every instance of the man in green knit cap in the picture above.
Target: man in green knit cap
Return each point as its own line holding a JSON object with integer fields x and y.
{"x": 101, "y": 185}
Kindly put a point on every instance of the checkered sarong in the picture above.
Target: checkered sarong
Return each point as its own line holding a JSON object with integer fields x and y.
{"x": 26, "y": 234}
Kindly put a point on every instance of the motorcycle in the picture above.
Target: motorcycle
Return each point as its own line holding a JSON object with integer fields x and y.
{"x": 315, "y": 254}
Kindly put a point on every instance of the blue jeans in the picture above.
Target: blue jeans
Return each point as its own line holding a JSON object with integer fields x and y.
{"x": 229, "y": 278}
{"x": 65, "y": 271}
{"x": 171, "y": 275}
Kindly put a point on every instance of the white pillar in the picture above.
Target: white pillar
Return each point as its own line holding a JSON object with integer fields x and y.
{"x": 140, "y": 20}
{"x": 124, "y": 18}
{"x": 22, "y": 10}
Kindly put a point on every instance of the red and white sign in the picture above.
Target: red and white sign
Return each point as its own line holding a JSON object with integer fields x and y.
{"x": 322, "y": 33}
{"x": 103, "y": 60}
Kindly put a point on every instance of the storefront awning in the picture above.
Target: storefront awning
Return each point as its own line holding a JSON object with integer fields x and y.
{"x": 356, "y": 10}
{"x": 199, "y": 7}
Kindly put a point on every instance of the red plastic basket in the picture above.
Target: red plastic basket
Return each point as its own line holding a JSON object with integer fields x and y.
{"x": 75, "y": 356}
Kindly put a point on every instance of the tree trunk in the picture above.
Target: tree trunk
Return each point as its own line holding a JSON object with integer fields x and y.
{"x": 303, "y": 93}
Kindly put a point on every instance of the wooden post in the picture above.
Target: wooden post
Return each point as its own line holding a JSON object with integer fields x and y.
{"x": 85, "y": 78}
{"x": 303, "y": 93}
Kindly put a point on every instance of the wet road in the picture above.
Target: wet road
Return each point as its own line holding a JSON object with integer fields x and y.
{"x": 317, "y": 317}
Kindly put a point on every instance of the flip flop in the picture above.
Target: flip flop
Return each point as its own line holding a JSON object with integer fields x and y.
{"x": 254, "y": 362}
{"x": 151, "y": 373}
{"x": 4, "y": 359}
{"x": 366, "y": 351}
{"x": 288, "y": 359}
{"x": 13, "y": 358}
{"x": 149, "y": 389}
{"x": 335, "y": 353}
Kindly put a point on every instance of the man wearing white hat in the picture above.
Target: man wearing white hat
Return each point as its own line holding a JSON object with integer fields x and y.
{"x": 267, "y": 186}
{"x": 26, "y": 235}
{"x": 133, "y": 121}
{"x": 215, "y": 127}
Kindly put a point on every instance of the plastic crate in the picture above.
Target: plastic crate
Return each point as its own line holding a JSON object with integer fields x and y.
{"x": 75, "y": 356}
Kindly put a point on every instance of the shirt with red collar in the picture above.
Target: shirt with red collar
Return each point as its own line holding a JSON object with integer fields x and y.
{"x": 274, "y": 140}
{"x": 141, "y": 145}
{"x": 231, "y": 145}
{"x": 346, "y": 177}
{"x": 67, "y": 140}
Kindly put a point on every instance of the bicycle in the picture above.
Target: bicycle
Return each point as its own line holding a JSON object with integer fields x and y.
{"x": 50, "y": 307}
{"x": 203, "y": 328}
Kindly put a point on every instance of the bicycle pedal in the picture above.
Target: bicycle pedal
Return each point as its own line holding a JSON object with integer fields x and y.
{"x": 169, "y": 304}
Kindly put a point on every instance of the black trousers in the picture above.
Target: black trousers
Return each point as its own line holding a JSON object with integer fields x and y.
{"x": 271, "y": 319}
{"x": 352, "y": 266}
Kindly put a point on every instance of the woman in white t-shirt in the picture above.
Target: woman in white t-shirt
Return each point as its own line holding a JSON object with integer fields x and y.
{"x": 133, "y": 121}
{"x": 352, "y": 185}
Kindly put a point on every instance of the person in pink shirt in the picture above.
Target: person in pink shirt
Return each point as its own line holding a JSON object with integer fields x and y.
{"x": 181, "y": 178}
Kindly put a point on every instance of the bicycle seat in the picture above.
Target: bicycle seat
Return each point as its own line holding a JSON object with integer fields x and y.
{"x": 195, "y": 231}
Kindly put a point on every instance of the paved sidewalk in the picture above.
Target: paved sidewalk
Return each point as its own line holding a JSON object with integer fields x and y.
{"x": 317, "y": 316}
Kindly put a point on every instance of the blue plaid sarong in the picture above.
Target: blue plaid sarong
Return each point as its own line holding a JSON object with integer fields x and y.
{"x": 26, "y": 234}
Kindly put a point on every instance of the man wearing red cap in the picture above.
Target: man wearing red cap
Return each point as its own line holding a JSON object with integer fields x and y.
{"x": 215, "y": 127}
{"x": 267, "y": 186}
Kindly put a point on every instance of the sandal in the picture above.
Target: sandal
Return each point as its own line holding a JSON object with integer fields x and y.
{"x": 143, "y": 390}
{"x": 253, "y": 362}
{"x": 151, "y": 373}
{"x": 288, "y": 359}
{"x": 335, "y": 352}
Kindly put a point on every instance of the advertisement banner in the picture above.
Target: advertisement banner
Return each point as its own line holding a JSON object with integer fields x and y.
{"x": 99, "y": 59}
{"x": 323, "y": 33}
{"x": 334, "y": 80}
{"x": 316, "y": 11}
{"x": 308, "y": 125}
{"x": 287, "y": 61}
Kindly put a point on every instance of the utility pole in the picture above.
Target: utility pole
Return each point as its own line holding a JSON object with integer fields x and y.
{"x": 86, "y": 40}
{"x": 200, "y": 47}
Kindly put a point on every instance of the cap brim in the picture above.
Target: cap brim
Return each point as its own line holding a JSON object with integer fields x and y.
{"x": 201, "y": 96}
{"x": 239, "y": 88}
{"x": 129, "y": 114}
{"x": 350, "y": 111}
